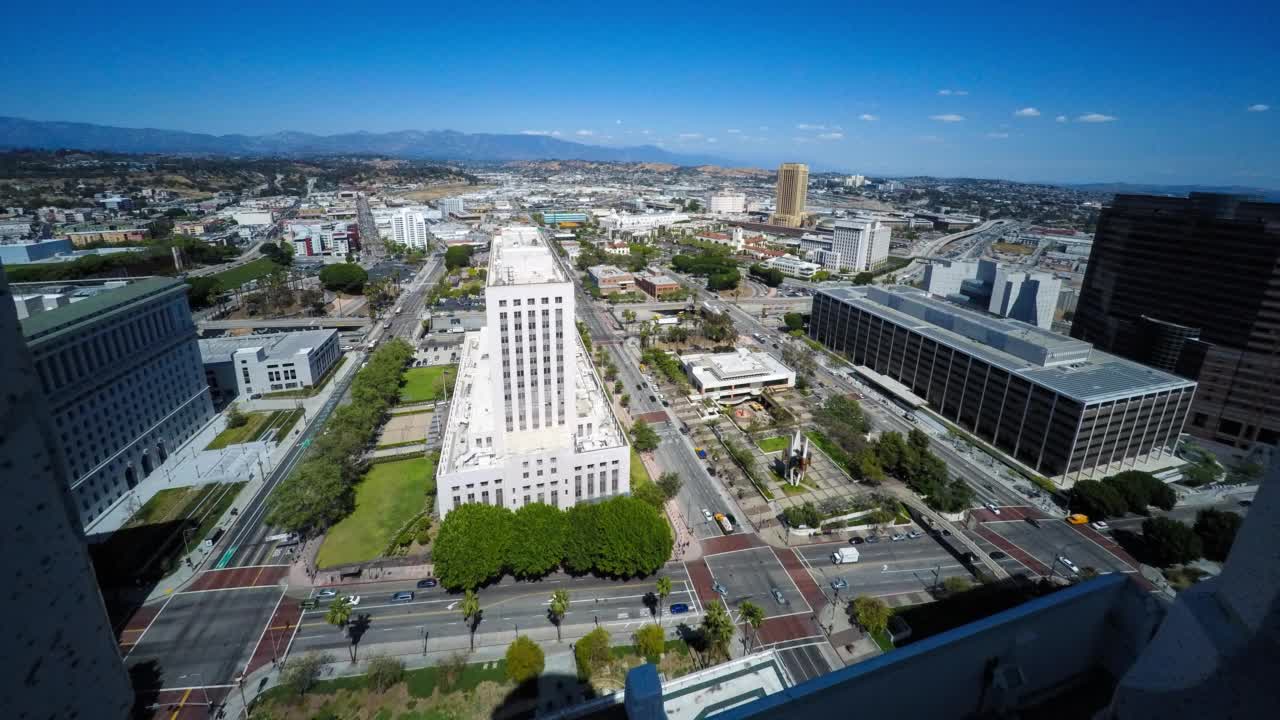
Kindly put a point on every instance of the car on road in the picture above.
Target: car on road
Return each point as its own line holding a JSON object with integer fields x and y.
{"x": 327, "y": 593}
{"x": 653, "y": 398}
{"x": 1066, "y": 562}
{"x": 839, "y": 584}
{"x": 706, "y": 514}
{"x": 778, "y": 596}
{"x": 678, "y": 608}
{"x": 719, "y": 589}
{"x": 1032, "y": 521}
{"x": 1099, "y": 526}
{"x": 1078, "y": 519}
{"x": 992, "y": 507}
{"x": 914, "y": 534}
{"x": 639, "y": 386}
{"x": 427, "y": 583}
{"x": 402, "y": 596}
{"x": 996, "y": 555}
{"x": 898, "y": 537}
{"x": 352, "y": 600}
{"x": 855, "y": 540}
{"x": 873, "y": 539}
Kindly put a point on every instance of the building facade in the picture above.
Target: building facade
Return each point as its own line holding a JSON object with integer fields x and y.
{"x": 1189, "y": 285}
{"x": 122, "y": 375}
{"x": 793, "y": 188}
{"x": 20, "y": 253}
{"x": 81, "y": 238}
{"x": 1053, "y": 403}
{"x": 409, "y": 228}
{"x": 70, "y": 661}
{"x": 451, "y": 206}
{"x": 611, "y": 279}
{"x": 259, "y": 364}
{"x": 1029, "y": 296}
{"x": 726, "y": 203}
{"x": 530, "y": 420}
{"x": 736, "y": 376}
{"x": 862, "y": 245}
{"x": 656, "y": 285}
{"x": 793, "y": 267}
{"x": 641, "y": 223}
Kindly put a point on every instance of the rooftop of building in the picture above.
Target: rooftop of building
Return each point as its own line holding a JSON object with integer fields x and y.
{"x": 1063, "y": 364}
{"x": 607, "y": 271}
{"x": 520, "y": 256}
{"x": 742, "y": 364}
{"x": 275, "y": 345}
{"x": 656, "y": 278}
{"x": 98, "y": 303}
{"x": 472, "y": 415}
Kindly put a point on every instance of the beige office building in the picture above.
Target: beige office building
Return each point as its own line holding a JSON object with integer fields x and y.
{"x": 793, "y": 184}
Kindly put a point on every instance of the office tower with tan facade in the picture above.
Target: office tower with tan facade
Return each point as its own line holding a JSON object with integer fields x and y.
{"x": 793, "y": 185}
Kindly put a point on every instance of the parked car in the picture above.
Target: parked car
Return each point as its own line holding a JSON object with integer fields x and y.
{"x": 873, "y": 539}
{"x": 678, "y": 608}
{"x": 402, "y": 596}
{"x": 898, "y": 537}
{"x": 327, "y": 593}
{"x": 855, "y": 540}
{"x": 427, "y": 583}
{"x": 914, "y": 534}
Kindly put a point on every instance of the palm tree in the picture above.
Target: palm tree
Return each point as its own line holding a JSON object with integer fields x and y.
{"x": 471, "y": 614}
{"x": 753, "y": 614}
{"x": 339, "y": 612}
{"x": 664, "y": 590}
{"x": 717, "y": 627}
{"x": 559, "y": 607}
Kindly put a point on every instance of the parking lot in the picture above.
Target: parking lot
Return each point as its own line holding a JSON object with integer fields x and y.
{"x": 754, "y": 574}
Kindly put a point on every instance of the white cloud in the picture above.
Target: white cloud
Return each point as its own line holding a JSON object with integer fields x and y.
{"x": 997, "y": 135}
{"x": 1027, "y": 112}
{"x": 1258, "y": 108}
{"x": 713, "y": 140}
{"x": 585, "y": 133}
{"x": 734, "y": 131}
{"x": 810, "y": 126}
{"x": 948, "y": 91}
{"x": 831, "y": 136}
{"x": 550, "y": 133}
{"x": 690, "y": 136}
{"x": 930, "y": 139}
{"x": 868, "y": 117}
{"x": 1061, "y": 118}
{"x": 948, "y": 118}
{"x": 619, "y": 122}
{"x": 1094, "y": 117}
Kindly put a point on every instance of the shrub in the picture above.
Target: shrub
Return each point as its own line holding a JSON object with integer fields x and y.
{"x": 384, "y": 672}
{"x": 591, "y": 652}
{"x": 650, "y": 641}
{"x": 524, "y": 660}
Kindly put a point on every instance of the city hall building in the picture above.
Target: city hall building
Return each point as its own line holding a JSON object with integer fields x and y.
{"x": 1052, "y": 402}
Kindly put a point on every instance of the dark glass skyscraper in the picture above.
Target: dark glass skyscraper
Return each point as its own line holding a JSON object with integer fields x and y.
{"x": 1192, "y": 285}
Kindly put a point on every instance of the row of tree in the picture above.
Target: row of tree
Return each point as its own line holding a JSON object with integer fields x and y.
{"x": 1130, "y": 491}
{"x": 720, "y": 270}
{"x": 619, "y": 537}
{"x": 320, "y": 491}
{"x": 1166, "y": 541}
{"x": 772, "y": 277}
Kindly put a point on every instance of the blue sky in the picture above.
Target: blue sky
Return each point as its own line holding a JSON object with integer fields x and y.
{"x": 1141, "y": 92}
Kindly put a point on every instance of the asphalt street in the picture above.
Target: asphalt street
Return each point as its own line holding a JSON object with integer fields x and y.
{"x": 1056, "y": 538}
{"x": 883, "y": 568}
{"x": 205, "y": 638}
{"x": 507, "y": 607}
{"x": 754, "y": 575}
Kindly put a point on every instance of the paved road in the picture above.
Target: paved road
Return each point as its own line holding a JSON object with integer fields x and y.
{"x": 754, "y": 575}
{"x": 508, "y": 606}
{"x": 1055, "y": 538}
{"x": 884, "y": 568}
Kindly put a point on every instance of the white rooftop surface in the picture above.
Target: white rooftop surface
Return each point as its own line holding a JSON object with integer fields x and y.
{"x": 276, "y": 345}
{"x": 471, "y": 416}
{"x": 732, "y": 367}
{"x": 519, "y": 256}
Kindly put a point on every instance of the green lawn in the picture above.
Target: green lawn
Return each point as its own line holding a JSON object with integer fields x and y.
{"x": 389, "y": 495}
{"x": 774, "y": 444}
{"x": 424, "y": 384}
{"x": 883, "y": 640}
{"x": 235, "y": 277}
{"x": 245, "y": 433}
{"x": 639, "y": 473}
{"x": 286, "y": 422}
{"x": 421, "y": 683}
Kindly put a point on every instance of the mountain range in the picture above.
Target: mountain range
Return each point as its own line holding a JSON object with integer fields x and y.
{"x": 412, "y": 144}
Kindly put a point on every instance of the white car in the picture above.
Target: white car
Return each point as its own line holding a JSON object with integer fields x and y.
{"x": 1099, "y": 526}
{"x": 706, "y": 514}
{"x": 992, "y": 507}
{"x": 327, "y": 593}
{"x": 1068, "y": 564}
{"x": 352, "y": 600}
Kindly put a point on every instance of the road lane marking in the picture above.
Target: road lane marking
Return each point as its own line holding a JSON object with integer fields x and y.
{"x": 254, "y": 652}
{"x": 138, "y": 640}
{"x": 181, "y": 703}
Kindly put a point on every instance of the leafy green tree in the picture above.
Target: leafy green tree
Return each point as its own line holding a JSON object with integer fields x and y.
{"x": 620, "y": 537}
{"x": 344, "y": 277}
{"x": 525, "y": 660}
{"x": 794, "y": 321}
{"x": 471, "y": 614}
{"x": 1097, "y": 500}
{"x": 753, "y": 615}
{"x": 650, "y": 641}
{"x": 558, "y": 608}
{"x": 951, "y": 496}
{"x": 591, "y": 652}
{"x": 805, "y": 515}
{"x": 384, "y": 672}
{"x": 871, "y": 613}
{"x": 718, "y": 327}
{"x": 204, "y": 291}
{"x": 1169, "y": 542}
{"x": 663, "y": 586}
{"x": 650, "y": 494}
{"x": 457, "y": 256}
{"x": 717, "y": 628}
{"x": 1217, "y": 530}
{"x": 540, "y": 529}
{"x": 302, "y": 673}
{"x": 643, "y": 437}
{"x": 339, "y": 612}
{"x": 670, "y": 483}
{"x": 473, "y": 545}
{"x": 236, "y": 417}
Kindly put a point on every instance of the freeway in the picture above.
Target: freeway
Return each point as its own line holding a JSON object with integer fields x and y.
{"x": 507, "y": 606}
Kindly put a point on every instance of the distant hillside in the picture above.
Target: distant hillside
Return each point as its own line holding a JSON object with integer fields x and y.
{"x": 1179, "y": 190}
{"x": 417, "y": 144}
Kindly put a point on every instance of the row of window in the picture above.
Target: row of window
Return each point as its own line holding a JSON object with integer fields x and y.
{"x": 516, "y": 302}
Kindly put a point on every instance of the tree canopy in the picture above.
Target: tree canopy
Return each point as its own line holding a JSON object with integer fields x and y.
{"x": 344, "y": 277}
{"x": 538, "y": 531}
{"x": 621, "y": 537}
{"x": 591, "y": 652}
{"x": 525, "y": 660}
{"x": 1169, "y": 542}
{"x": 643, "y": 437}
{"x": 457, "y": 256}
{"x": 794, "y": 321}
{"x": 1097, "y": 499}
{"x": 872, "y": 613}
{"x": 1217, "y": 530}
{"x": 771, "y": 277}
{"x": 474, "y": 545}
